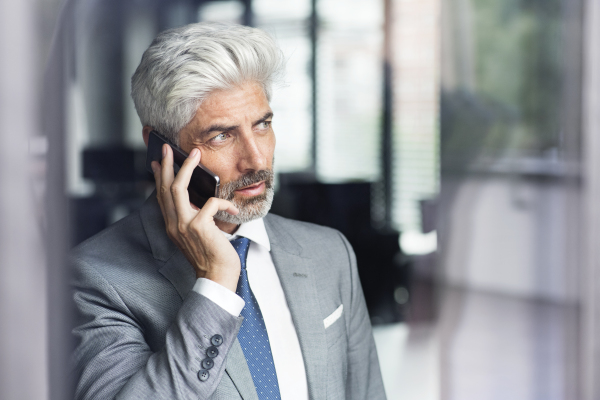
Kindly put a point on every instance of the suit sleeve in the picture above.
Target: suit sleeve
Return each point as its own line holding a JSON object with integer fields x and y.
{"x": 113, "y": 360}
{"x": 364, "y": 379}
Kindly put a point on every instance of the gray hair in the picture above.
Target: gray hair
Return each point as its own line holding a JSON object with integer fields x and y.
{"x": 184, "y": 65}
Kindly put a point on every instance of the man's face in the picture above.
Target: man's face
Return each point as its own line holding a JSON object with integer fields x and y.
{"x": 232, "y": 129}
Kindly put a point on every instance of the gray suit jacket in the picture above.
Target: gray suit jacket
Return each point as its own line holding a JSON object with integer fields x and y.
{"x": 142, "y": 332}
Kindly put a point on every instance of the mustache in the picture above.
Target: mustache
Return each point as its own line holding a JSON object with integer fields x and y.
{"x": 228, "y": 189}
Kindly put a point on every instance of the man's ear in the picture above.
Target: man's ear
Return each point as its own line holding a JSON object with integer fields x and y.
{"x": 146, "y": 133}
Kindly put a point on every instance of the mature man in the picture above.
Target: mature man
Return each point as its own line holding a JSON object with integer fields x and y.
{"x": 223, "y": 302}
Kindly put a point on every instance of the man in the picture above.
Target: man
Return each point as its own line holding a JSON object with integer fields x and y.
{"x": 223, "y": 302}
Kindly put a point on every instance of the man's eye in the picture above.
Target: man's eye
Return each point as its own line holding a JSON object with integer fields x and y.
{"x": 264, "y": 125}
{"x": 219, "y": 138}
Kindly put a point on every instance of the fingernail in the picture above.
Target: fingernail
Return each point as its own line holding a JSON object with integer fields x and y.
{"x": 164, "y": 149}
{"x": 153, "y": 166}
{"x": 194, "y": 153}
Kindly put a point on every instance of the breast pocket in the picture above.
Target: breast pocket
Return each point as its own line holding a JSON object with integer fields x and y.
{"x": 335, "y": 327}
{"x": 337, "y": 353}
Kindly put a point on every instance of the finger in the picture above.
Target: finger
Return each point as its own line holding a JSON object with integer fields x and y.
{"x": 213, "y": 205}
{"x": 166, "y": 180}
{"x": 157, "y": 180}
{"x": 156, "y": 171}
{"x": 181, "y": 182}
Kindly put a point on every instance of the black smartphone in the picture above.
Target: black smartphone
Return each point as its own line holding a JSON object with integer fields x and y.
{"x": 204, "y": 184}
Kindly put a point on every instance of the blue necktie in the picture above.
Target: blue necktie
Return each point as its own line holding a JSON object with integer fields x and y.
{"x": 253, "y": 334}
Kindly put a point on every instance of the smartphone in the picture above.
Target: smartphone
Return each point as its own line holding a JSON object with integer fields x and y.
{"x": 204, "y": 184}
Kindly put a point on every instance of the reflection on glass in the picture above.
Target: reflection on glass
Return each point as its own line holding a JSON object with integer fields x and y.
{"x": 503, "y": 82}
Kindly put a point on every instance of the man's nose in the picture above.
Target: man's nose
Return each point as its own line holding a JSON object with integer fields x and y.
{"x": 252, "y": 154}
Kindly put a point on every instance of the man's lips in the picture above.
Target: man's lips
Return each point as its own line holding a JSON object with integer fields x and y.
{"x": 252, "y": 190}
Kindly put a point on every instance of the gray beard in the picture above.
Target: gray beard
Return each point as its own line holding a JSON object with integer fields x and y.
{"x": 250, "y": 209}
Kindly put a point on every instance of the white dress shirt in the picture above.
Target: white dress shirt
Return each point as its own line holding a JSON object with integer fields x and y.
{"x": 268, "y": 292}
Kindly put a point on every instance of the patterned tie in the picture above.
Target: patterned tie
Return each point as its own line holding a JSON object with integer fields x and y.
{"x": 253, "y": 334}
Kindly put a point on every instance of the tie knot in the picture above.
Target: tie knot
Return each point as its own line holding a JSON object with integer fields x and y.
{"x": 241, "y": 246}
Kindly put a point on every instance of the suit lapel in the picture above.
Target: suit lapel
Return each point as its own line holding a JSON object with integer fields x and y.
{"x": 180, "y": 273}
{"x": 300, "y": 288}
{"x": 176, "y": 268}
{"x": 154, "y": 224}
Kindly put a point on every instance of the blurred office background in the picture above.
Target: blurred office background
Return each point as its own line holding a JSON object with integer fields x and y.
{"x": 456, "y": 143}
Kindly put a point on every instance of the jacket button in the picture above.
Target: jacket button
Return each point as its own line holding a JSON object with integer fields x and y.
{"x": 212, "y": 352}
{"x": 203, "y": 375}
{"x": 216, "y": 340}
{"x": 207, "y": 363}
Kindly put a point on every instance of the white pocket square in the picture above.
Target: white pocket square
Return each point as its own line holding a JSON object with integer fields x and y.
{"x": 334, "y": 316}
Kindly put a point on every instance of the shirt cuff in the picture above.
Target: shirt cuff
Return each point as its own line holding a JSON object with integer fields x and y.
{"x": 220, "y": 295}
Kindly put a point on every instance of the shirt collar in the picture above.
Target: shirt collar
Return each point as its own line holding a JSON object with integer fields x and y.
{"x": 253, "y": 230}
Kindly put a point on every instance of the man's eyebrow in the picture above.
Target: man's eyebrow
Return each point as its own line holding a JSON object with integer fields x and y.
{"x": 265, "y": 117}
{"x": 216, "y": 128}
{"x": 225, "y": 128}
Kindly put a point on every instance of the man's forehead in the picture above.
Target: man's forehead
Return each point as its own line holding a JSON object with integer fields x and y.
{"x": 246, "y": 101}
{"x": 206, "y": 120}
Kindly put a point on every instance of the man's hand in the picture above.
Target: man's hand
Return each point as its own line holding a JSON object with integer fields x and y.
{"x": 194, "y": 230}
